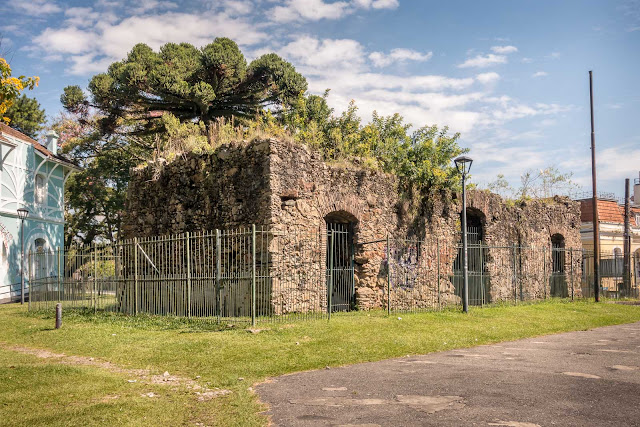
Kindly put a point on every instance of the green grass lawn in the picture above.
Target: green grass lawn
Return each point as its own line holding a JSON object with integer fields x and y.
{"x": 37, "y": 391}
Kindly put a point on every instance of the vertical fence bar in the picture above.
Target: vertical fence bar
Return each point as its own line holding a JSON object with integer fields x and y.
{"x": 331, "y": 248}
{"x": 218, "y": 275}
{"x": 253, "y": 275}
{"x": 188, "y": 274}
{"x": 438, "y": 268}
{"x": 515, "y": 279}
{"x": 544, "y": 271}
{"x": 571, "y": 271}
{"x": 388, "y": 276}
{"x": 59, "y": 281}
{"x": 135, "y": 275}
{"x": 95, "y": 278}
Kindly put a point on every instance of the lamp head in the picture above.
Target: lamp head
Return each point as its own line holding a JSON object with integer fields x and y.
{"x": 23, "y": 213}
{"x": 463, "y": 164}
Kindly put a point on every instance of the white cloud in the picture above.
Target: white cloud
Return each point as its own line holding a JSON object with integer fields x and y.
{"x": 385, "y": 4}
{"x": 526, "y": 60}
{"x": 88, "y": 49}
{"x": 504, "y": 50}
{"x": 539, "y": 74}
{"x": 142, "y": 6}
{"x": 315, "y": 10}
{"x": 554, "y": 55}
{"x": 81, "y": 16}
{"x": 379, "y": 59}
{"x": 36, "y": 7}
{"x": 487, "y": 78}
{"x": 70, "y": 40}
{"x": 237, "y": 7}
{"x": 321, "y": 55}
{"x": 483, "y": 61}
{"x": 312, "y": 10}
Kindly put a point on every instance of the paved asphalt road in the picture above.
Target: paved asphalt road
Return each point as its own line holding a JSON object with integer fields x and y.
{"x": 586, "y": 378}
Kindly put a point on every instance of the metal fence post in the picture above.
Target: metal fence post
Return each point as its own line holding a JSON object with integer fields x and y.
{"x": 438, "y": 271}
{"x": 218, "y": 274}
{"x": 253, "y": 275}
{"x": 188, "y": 274}
{"x": 331, "y": 248}
{"x": 59, "y": 281}
{"x": 388, "y": 276}
{"x": 515, "y": 279}
{"x": 571, "y": 272}
{"x": 95, "y": 279}
{"x": 135, "y": 275}
{"x": 544, "y": 271}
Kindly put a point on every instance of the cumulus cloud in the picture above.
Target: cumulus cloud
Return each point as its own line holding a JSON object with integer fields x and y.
{"x": 319, "y": 55}
{"x": 105, "y": 42}
{"x": 539, "y": 74}
{"x": 487, "y": 78}
{"x": 504, "y": 50}
{"x": 483, "y": 61}
{"x": 315, "y": 10}
{"x": 36, "y": 7}
{"x": 380, "y": 59}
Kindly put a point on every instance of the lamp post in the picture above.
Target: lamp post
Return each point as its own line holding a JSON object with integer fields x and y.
{"x": 22, "y": 214}
{"x": 463, "y": 164}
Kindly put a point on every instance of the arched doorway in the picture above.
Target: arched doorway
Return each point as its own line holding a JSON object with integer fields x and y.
{"x": 340, "y": 228}
{"x": 558, "y": 280}
{"x": 478, "y": 252}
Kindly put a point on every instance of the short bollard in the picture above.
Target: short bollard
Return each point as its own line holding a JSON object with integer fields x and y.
{"x": 58, "y": 316}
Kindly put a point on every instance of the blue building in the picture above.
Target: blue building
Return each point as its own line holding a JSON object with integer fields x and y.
{"x": 32, "y": 177}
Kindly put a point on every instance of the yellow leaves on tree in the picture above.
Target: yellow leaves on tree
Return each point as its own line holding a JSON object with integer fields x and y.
{"x": 10, "y": 87}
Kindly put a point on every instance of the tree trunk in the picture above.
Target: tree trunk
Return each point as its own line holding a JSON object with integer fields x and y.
{"x": 210, "y": 125}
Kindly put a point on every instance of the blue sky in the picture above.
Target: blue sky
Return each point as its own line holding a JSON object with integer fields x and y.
{"x": 511, "y": 76}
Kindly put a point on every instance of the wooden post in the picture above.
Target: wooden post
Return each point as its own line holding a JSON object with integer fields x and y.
{"x": 58, "y": 315}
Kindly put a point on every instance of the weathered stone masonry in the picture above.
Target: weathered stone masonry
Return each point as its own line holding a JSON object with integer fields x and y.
{"x": 288, "y": 188}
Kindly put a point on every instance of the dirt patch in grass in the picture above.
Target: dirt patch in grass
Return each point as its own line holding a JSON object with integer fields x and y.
{"x": 143, "y": 376}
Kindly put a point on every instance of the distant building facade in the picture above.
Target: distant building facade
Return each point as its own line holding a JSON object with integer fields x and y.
{"x": 32, "y": 176}
{"x": 611, "y": 221}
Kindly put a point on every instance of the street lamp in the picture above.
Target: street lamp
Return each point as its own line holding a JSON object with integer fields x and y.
{"x": 22, "y": 214}
{"x": 463, "y": 164}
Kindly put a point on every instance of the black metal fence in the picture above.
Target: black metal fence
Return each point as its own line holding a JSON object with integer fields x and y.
{"x": 257, "y": 273}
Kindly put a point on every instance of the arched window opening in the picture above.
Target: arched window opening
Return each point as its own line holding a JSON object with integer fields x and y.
{"x": 558, "y": 268}
{"x": 40, "y": 258}
{"x": 40, "y": 190}
{"x": 558, "y": 252}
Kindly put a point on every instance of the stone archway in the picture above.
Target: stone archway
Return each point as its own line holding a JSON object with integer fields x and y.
{"x": 340, "y": 254}
{"x": 478, "y": 253}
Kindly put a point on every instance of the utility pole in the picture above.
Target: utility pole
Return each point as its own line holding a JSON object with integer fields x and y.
{"x": 596, "y": 220}
{"x": 626, "y": 266}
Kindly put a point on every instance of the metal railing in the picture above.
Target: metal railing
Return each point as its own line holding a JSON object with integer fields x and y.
{"x": 257, "y": 273}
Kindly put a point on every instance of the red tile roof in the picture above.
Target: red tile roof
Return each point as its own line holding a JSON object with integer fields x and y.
{"x": 608, "y": 211}
{"x": 6, "y": 130}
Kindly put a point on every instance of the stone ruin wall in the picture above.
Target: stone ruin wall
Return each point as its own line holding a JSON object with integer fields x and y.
{"x": 289, "y": 188}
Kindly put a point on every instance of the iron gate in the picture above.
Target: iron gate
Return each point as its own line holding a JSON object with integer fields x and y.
{"x": 479, "y": 280}
{"x": 340, "y": 267}
{"x": 558, "y": 280}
